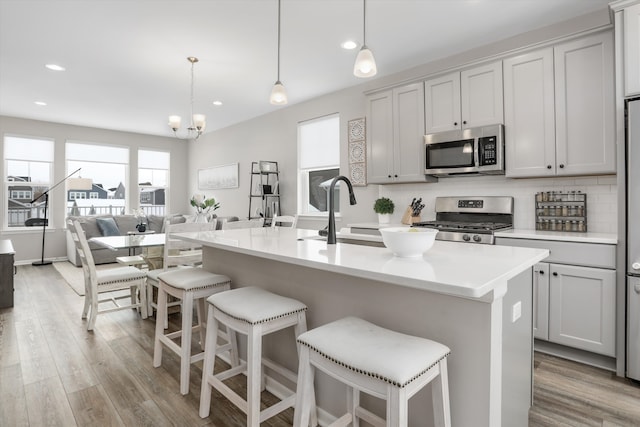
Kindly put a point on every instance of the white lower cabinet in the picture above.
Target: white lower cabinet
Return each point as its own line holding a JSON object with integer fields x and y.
{"x": 582, "y": 308}
{"x": 574, "y": 295}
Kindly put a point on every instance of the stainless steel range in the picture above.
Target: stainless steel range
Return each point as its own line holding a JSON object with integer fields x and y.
{"x": 471, "y": 219}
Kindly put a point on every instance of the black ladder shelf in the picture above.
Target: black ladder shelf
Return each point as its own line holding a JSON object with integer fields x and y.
{"x": 264, "y": 192}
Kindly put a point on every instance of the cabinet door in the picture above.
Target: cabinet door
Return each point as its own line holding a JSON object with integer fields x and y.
{"x": 442, "y": 103}
{"x": 408, "y": 130}
{"x": 529, "y": 116}
{"x": 379, "y": 137}
{"x": 632, "y": 50}
{"x": 582, "y": 308}
{"x": 585, "y": 106}
{"x": 481, "y": 102}
{"x": 541, "y": 301}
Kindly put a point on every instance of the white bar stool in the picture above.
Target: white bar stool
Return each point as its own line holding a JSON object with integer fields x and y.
{"x": 253, "y": 312}
{"x": 377, "y": 361}
{"x": 188, "y": 284}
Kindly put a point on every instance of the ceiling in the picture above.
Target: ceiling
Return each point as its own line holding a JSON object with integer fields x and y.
{"x": 126, "y": 66}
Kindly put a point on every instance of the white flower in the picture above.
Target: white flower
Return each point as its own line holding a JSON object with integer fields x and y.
{"x": 198, "y": 198}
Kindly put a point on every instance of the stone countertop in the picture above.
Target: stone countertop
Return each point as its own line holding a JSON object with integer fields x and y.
{"x": 458, "y": 269}
{"x": 589, "y": 237}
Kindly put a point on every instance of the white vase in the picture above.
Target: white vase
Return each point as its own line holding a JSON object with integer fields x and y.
{"x": 201, "y": 217}
{"x": 384, "y": 218}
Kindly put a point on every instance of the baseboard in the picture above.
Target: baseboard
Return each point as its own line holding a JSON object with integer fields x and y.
{"x": 30, "y": 261}
{"x": 581, "y": 356}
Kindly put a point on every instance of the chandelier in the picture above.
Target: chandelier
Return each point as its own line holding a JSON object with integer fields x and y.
{"x": 198, "y": 121}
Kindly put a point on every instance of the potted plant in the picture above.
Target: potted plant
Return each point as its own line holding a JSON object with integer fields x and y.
{"x": 384, "y": 208}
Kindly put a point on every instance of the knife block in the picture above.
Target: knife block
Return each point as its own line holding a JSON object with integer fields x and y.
{"x": 408, "y": 219}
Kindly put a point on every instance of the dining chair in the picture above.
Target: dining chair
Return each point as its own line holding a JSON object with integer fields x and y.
{"x": 251, "y": 223}
{"x": 284, "y": 221}
{"x": 106, "y": 281}
{"x": 176, "y": 253}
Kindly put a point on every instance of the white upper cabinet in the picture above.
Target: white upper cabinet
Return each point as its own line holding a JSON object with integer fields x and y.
{"x": 395, "y": 131}
{"x": 529, "y": 115}
{"x": 559, "y": 110}
{"x": 464, "y": 99}
{"x": 632, "y": 50}
{"x": 585, "y": 106}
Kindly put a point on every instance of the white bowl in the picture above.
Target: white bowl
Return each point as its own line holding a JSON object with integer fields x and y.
{"x": 406, "y": 242}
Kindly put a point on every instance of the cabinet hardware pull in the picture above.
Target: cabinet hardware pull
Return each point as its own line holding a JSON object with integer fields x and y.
{"x": 395, "y": 176}
{"x": 389, "y": 176}
{"x": 541, "y": 271}
{"x": 548, "y": 166}
{"x": 561, "y": 166}
{"x": 455, "y": 123}
{"x": 464, "y": 122}
{"x": 555, "y": 274}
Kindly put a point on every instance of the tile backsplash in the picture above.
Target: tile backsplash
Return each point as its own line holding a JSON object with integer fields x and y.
{"x": 601, "y": 193}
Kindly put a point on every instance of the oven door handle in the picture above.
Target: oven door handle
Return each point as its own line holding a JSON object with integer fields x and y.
{"x": 476, "y": 149}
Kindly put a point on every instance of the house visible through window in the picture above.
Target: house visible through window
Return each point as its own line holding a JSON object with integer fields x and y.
{"x": 318, "y": 163}
{"x": 99, "y": 187}
{"x": 28, "y": 169}
{"x": 153, "y": 181}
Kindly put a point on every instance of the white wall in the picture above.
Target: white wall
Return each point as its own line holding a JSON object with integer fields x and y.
{"x": 28, "y": 244}
{"x": 273, "y": 137}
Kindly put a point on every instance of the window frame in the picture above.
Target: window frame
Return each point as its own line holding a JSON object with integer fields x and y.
{"x": 152, "y": 187}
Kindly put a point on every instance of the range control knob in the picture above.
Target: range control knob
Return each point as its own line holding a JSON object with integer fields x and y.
{"x": 476, "y": 238}
{"x": 466, "y": 237}
{"x": 636, "y": 265}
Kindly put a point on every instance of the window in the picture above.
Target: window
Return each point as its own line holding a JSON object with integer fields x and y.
{"x": 318, "y": 163}
{"x": 153, "y": 181}
{"x": 100, "y": 185}
{"x": 29, "y": 169}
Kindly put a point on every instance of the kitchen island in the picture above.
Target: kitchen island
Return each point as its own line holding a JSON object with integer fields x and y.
{"x": 476, "y": 299}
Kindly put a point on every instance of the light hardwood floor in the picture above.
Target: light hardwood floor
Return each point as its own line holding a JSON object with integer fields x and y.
{"x": 54, "y": 372}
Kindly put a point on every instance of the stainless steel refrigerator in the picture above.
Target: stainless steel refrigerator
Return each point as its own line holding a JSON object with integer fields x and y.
{"x": 633, "y": 237}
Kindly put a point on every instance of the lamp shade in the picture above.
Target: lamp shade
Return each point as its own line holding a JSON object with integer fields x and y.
{"x": 278, "y": 94}
{"x": 174, "y": 122}
{"x": 199, "y": 121}
{"x": 365, "y": 65}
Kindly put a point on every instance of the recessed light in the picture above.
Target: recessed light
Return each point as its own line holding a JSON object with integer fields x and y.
{"x": 55, "y": 67}
{"x": 349, "y": 44}
{"x": 40, "y": 103}
{"x": 217, "y": 102}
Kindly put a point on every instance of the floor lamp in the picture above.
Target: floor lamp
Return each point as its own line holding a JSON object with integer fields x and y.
{"x": 45, "y": 222}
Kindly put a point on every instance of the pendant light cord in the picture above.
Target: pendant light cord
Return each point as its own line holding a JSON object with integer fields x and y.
{"x": 364, "y": 22}
{"x": 278, "y": 40}
{"x": 192, "y": 124}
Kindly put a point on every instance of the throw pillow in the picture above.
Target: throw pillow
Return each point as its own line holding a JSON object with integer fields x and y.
{"x": 108, "y": 226}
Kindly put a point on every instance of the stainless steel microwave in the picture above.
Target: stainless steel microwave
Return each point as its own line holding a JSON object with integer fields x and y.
{"x": 477, "y": 150}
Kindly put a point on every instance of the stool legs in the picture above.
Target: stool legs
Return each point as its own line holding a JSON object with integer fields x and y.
{"x": 254, "y": 377}
{"x": 440, "y": 393}
{"x": 161, "y": 313}
{"x": 185, "y": 345}
{"x": 208, "y": 364}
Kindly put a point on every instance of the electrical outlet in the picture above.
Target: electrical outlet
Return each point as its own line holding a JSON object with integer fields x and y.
{"x": 516, "y": 311}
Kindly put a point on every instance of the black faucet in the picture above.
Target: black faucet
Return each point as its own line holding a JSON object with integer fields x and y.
{"x": 331, "y": 236}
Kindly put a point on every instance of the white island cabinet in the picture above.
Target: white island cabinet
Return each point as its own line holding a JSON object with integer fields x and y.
{"x": 476, "y": 299}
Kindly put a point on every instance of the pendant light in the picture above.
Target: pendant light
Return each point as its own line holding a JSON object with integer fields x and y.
{"x": 278, "y": 93}
{"x": 365, "y": 65}
{"x": 198, "y": 121}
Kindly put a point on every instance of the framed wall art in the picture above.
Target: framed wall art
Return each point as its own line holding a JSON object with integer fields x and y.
{"x": 217, "y": 177}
